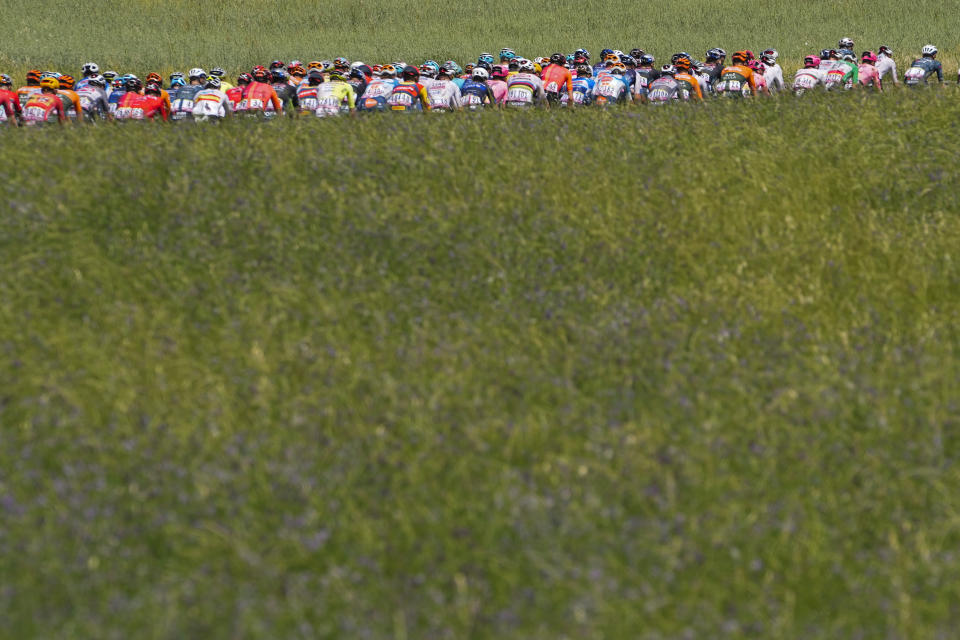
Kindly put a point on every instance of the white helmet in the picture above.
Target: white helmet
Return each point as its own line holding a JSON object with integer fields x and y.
{"x": 845, "y": 43}
{"x": 479, "y": 73}
{"x": 196, "y": 72}
{"x": 526, "y": 65}
{"x": 354, "y": 65}
{"x": 929, "y": 50}
{"x": 91, "y": 69}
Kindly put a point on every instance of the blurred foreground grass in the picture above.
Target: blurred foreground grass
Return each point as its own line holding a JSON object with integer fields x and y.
{"x": 688, "y": 372}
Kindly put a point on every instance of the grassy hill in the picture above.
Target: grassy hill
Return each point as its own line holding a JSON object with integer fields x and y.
{"x": 650, "y": 373}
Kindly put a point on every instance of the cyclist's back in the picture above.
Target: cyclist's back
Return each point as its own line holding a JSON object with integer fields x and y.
{"x": 922, "y": 68}
{"x": 737, "y": 80}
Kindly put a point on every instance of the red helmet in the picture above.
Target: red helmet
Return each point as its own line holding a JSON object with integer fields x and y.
{"x": 244, "y": 78}
{"x": 869, "y": 56}
{"x": 499, "y": 71}
{"x": 260, "y": 74}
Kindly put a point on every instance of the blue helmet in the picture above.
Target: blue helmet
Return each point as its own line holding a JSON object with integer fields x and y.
{"x": 485, "y": 57}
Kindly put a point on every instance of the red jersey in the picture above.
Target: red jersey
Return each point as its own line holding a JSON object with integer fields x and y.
{"x": 9, "y": 106}
{"x": 235, "y": 95}
{"x": 557, "y": 79}
{"x": 134, "y": 106}
{"x": 41, "y": 106}
{"x": 257, "y": 95}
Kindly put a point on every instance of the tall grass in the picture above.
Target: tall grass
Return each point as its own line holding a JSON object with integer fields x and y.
{"x": 667, "y": 373}
{"x": 144, "y": 35}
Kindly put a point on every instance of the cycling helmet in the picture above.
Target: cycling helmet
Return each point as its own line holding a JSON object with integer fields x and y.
{"x": 411, "y": 71}
{"x": 66, "y": 82}
{"x": 293, "y": 64}
{"x": 756, "y": 65}
{"x": 133, "y": 84}
{"x": 482, "y": 65}
{"x": 499, "y": 71}
{"x": 118, "y": 83}
{"x": 540, "y": 60}
{"x": 485, "y": 57}
{"x": 668, "y": 70}
{"x": 628, "y": 61}
{"x": 357, "y": 63}
{"x": 929, "y": 50}
{"x": 155, "y": 77}
{"x": 811, "y": 62}
{"x": 469, "y": 69}
{"x": 213, "y": 82}
{"x": 277, "y": 64}
{"x": 427, "y": 71}
{"x": 278, "y": 75}
{"x": 5, "y": 79}
{"x": 845, "y": 43}
{"x": 869, "y": 56}
{"x": 50, "y": 74}
{"x": 682, "y": 63}
{"x": 90, "y": 69}
{"x": 537, "y": 69}
{"x": 604, "y": 53}
{"x": 636, "y": 53}
{"x": 388, "y": 71}
{"x": 218, "y": 72}
{"x": 885, "y": 50}
{"x": 316, "y": 64}
{"x": 514, "y": 65}
{"x": 584, "y": 70}
{"x": 110, "y": 75}
{"x": 647, "y": 59}
{"x": 260, "y": 75}
{"x": 50, "y": 83}
{"x": 769, "y": 55}
{"x": 849, "y": 57}
{"x": 480, "y": 74}
{"x": 297, "y": 71}
{"x": 177, "y": 82}
{"x": 749, "y": 55}
{"x": 98, "y": 81}
{"x": 617, "y": 69}
{"x": 341, "y": 63}
{"x": 153, "y": 87}
{"x": 740, "y": 57}
{"x": 569, "y": 59}
{"x": 527, "y": 66}
{"x": 244, "y": 78}
{"x": 338, "y": 74}
{"x": 315, "y": 77}
{"x": 582, "y": 52}
{"x": 326, "y": 65}
{"x": 558, "y": 58}
{"x": 507, "y": 54}
{"x": 197, "y": 73}
{"x": 698, "y": 66}
{"x": 454, "y": 67}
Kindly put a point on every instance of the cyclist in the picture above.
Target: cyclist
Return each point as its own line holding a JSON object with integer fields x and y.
{"x": 336, "y": 95}
{"x": 716, "y": 60}
{"x": 259, "y": 94}
{"x": 687, "y": 84}
{"x": 611, "y": 87}
{"x": 32, "y": 86}
{"x": 643, "y": 76}
{"x": 475, "y": 93}
{"x": 218, "y": 72}
{"x": 359, "y": 77}
{"x": 235, "y": 95}
{"x": 886, "y": 64}
{"x": 87, "y": 71}
{"x": 10, "y": 110}
{"x": 737, "y": 80}
{"x": 772, "y": 72}
{"x": 211, "y": 103}
{"x": 70, "y": 99}
{"x": 851, "y": 77}
{"x": 286, "y": 93}
{"x": 845, "y": 47}
{"x": 583, "y": 86}
{"x": 867, "y": 73}
{"x": 757, "y": 67}
{"x": 506, "y": 56}
{"x": 408, "y": 94}
{"x": 664, "y": 88}
{"x": 182, "y": 98}
{"x": 443, "y": 94}
{"x": 308, "y": 94}
{"x": 922, "y": 68}
{"x": 41, "y": 105}
{"x": 810, "y": 76}
{"x": 525, "y": 88}
{"x": 557, "y": 79}
{"x": 93, "y": 99}
{"x": 117, "y": 91}
{"x": 378, "y": 90}
{"x": 156, "y": 77}
{"x": 498, "y": 83}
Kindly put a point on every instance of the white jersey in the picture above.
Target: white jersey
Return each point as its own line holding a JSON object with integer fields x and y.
{"x": 524, "y": 89}
{"x": 807, "y": 79}
{"x": 443, "y": 95}
{"x": 885, "y": 65}
{"x": 773, "y": 74}
{"x": 211, "y": 103}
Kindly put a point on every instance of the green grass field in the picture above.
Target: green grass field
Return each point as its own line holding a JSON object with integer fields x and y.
{"x": 649, "y": 373}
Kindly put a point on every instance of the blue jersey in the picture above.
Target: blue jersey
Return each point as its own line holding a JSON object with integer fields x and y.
{"x": 459, "y": 82}
{"x": 113, "y": 100}
{"x": 583, "y": 90}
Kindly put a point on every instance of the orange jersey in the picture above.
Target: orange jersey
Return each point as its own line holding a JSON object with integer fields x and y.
{"x": 165, "y": 98}
{"x": 257, "y": 95}
{"x": 554, "y": 77}
{"x": 689, "y": 85}
{"x": 71, "y": 102}
{"x": 24, "y": 93}
{"x": 745, "y": 73}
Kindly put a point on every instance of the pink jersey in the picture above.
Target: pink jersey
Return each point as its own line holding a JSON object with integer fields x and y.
{"x": 869, "y": 75}
{"x": 499, "y": 88}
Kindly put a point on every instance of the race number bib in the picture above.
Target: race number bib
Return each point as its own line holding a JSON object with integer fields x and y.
{"x": 805, "y": 82}
{"x": 914, "y": 75}
{"x": 552, "y": 88}
{"x": 519, "y": 94}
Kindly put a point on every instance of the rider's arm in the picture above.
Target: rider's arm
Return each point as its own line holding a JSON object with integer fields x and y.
{"x": 275, "y": 99}
{"x": 939, "y": 71}
{"x": 351, "y": 98}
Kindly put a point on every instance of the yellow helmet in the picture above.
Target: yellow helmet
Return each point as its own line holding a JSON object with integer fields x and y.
{"x": 50, "y": 83}
{"x": 537, "y": 67}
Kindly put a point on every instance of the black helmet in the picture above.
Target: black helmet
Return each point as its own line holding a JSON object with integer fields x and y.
{"x": 558, "y": 58}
